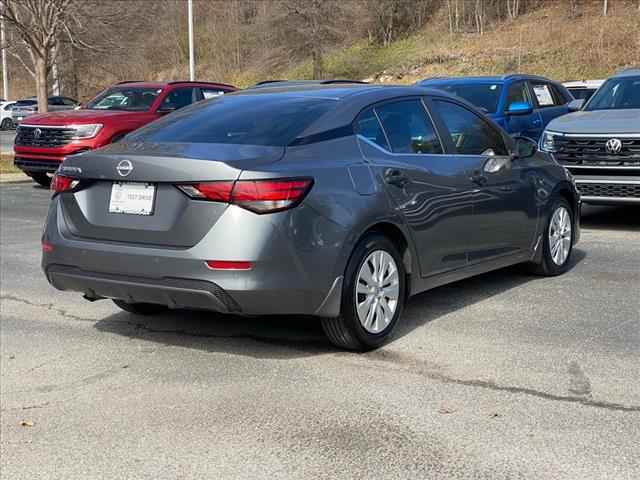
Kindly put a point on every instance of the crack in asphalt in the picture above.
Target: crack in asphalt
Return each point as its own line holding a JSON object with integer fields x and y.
{"x": 320, "y": 345}
{"x": 49, "y": 306}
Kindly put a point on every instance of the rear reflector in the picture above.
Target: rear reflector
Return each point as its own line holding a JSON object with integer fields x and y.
{"x": 62, "y": 183}
{"x": 47, "y": 247}
{"x": 228, "y": 265}
{"x": 259, "y": 196}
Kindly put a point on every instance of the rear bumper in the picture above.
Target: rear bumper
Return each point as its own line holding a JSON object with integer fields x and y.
{"x": 284, "y": 280}
{"x": 173, "y": 292}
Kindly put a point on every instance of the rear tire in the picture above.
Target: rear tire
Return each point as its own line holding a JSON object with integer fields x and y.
{"x": 40, "y": 178}
{"x": 6, "y": 124}
{"x": 557, "y": 242}
{"x": 373, "y": 296}
{"x": 140, "y": 308}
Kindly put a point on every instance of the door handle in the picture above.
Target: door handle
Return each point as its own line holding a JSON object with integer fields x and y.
{"x": 396, "y": 177}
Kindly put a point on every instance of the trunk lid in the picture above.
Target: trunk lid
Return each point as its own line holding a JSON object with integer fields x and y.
{"x": 177, "y": 221}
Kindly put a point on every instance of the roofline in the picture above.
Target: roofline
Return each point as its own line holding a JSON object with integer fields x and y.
{"x": 173, "y": 82}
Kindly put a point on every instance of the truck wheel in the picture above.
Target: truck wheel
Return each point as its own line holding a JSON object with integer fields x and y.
{"x": 40, "y": 178}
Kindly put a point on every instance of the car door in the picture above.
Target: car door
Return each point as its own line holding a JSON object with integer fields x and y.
{"x": 431, "y": 189}
{"x": 504, "y": 210}
{"x": 549, "y": 102}
{"x": 527, "y": 125}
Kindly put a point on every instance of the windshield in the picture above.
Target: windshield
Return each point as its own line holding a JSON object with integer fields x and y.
{"x": 269, "y": 120}
{"x": 484, "y": 96}
{"x": 616, "y": 93}
{"x": 133, "y": 99}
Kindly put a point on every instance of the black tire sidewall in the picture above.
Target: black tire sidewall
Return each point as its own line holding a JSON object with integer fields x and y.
{"x": 550, "y": 266}
{"x": 367, "y": 245}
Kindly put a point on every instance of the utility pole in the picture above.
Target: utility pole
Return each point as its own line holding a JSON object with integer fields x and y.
{"x": 192, "y": 62}
{"x": 5, "y": 74}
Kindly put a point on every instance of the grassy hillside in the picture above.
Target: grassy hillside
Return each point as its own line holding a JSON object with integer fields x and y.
{"x": 546, "y": 42}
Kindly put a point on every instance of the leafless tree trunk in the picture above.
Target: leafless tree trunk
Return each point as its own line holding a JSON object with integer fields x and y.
{"x": 605, "y": 7}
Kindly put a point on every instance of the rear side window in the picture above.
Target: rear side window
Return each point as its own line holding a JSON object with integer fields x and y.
{"x": 271, "y": 120}
{"x": 178, "y": 98}
{"x": 368, "y": 126}
{"x": 544, "y": 95}
{"x": 408, "y": 128}
{"x": 470, "y": 133}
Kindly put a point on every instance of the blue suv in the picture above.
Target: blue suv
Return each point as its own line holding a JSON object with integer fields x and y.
{"x": 521, "y": 104}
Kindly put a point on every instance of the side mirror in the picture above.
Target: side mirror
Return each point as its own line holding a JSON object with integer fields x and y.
{"x": 576, "y": 105}
{"x": 519, "y": 108}
{"x": 524, "y": 148}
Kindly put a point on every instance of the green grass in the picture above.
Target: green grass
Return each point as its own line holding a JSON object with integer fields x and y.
{"x": 6, "y": 165}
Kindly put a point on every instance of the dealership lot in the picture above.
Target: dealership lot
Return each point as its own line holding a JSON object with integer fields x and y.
{"x": 501, "y": 376}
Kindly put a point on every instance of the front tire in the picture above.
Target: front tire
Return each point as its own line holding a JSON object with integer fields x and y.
{"x": 558, "y": 241}
{"x": 7, "y": 124}
{"x": 373, "y": 296}
{"x": 140, "y": 308}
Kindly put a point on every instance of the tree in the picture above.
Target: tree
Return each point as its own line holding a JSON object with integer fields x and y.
{"x": 37, "y": 24}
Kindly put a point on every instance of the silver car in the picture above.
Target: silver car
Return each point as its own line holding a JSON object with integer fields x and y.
{"x": 25, "y": 108}
{"x": 332, "y": 201}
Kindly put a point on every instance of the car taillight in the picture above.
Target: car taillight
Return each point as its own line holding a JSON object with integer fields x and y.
{"x": 62, "y": 183}
{"x": 259, "y": 196}
{"x": 214, "y": 191}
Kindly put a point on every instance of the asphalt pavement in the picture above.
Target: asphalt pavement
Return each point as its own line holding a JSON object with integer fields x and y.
{"x": 504, "y": 376}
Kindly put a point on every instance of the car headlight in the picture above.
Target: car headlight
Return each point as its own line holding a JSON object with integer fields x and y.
{"x": 548, "y": 142}
{"x": 86, "y": 131}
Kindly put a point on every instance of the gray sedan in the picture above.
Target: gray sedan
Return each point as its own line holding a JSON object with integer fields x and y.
{"x": 333, "y": 201}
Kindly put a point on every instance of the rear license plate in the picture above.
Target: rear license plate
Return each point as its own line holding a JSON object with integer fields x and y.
{"x": 132, "y": 198}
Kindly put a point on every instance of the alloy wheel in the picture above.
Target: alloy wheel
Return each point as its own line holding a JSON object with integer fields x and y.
{"x": 377, "y": 291}
{"x": 560, "y": 235}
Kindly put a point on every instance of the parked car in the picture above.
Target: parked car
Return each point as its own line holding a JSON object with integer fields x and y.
{"x": 600, "y": 142}
{"x": 521, "y": 104}
{"x": 335, "y": 201}
{"x": 46, "y": 140}
{"x": 6, "y": 122}
{"x": 583, "y": 89}
{"x": 28, "y": 107}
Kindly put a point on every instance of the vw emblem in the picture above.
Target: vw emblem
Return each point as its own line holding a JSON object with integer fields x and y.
{"x": 36, "y": 133}
{"x": 614, "y": 145}
{"x": 124, "y": 168}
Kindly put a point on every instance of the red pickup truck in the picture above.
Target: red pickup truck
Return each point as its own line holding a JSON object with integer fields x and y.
{"x": 44, "y": 141}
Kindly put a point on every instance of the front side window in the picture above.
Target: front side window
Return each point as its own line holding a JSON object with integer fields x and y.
{"x": 470, "y": 133}
{"x": 368, "y": 126}
{"x": 270, "y": 120}
{"x": 484, "y": 96}
{"x": 616, "y": 93}
{"x": 544, "y": 95}
{"x": 517, "y": 93}
{"x": 134, "y": 99}
{"x": 178, "y": 98}
{"x": 408, "y": 127}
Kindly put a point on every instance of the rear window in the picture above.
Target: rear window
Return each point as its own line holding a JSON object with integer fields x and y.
{"x": 243, "y": 119}
{"x": 484, "y": 96}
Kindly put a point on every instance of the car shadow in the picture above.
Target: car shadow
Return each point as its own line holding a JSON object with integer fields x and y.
{"x": 611, "y": 218}
{"x": 285, "y": 337}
